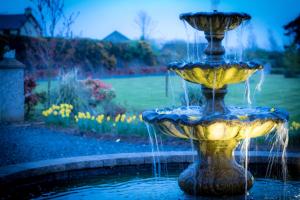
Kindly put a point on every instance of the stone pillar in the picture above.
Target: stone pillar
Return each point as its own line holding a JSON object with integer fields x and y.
{"x": 11, "y": 90}
{"x": 216, "y": 172}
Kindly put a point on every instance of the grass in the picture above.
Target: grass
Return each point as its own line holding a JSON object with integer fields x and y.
{"x": 141, "y": 93}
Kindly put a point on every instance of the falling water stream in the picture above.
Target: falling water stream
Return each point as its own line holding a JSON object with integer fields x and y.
{"x": 171, "y": 84}
{"x": 261, "y": 80}
{"x": 165, "y": 164}
{"x": 279, "y": 142}
{"x": 240, "y": 34}
{"x": 186, "y": 94}
{"x": 248, "y": 92}
{"x": 155, "y": 171}
{"x": 157, "y": 151}
{"x": 187, "y": 41}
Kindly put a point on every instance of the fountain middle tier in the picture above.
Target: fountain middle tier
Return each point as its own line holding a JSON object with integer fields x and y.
{"x": 238, "y": 123}
{"x": 215, "y": 75}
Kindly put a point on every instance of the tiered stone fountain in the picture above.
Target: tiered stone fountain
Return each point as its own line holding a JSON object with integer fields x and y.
{"x": 215, "y": 129}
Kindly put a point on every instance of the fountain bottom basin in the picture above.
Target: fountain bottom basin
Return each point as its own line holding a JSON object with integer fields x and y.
{"x": 129, "y": 176}
{"x": 143, "y": 186}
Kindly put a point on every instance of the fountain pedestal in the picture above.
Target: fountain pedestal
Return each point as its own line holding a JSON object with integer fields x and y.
{"x": 216, "y": 172}
{"x": 214, "y": 100}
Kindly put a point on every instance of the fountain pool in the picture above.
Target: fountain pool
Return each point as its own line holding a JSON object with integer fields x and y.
{"x": 135, "y": 182}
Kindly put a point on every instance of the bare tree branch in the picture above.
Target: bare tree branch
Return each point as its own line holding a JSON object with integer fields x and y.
{"x": 50, "y": 14}
{"x": 145, "y": 24}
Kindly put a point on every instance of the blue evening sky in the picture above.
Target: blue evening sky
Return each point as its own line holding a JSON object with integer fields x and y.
{"x": 98, "y": 18}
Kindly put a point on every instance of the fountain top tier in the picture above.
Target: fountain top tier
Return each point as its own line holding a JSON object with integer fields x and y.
{"x": 215, "y": 22}
{"x": 214, "y": 72}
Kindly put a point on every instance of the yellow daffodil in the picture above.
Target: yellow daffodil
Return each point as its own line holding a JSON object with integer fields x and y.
{"x": 88, "y": 115}
{"x": 141, "y": 117}
{"x": 123, "y": 117}
{"x": 295, "y": 126}
{"x": 108, "y": 118}
{"x": 117, "y": 118}
{"x": 44, "y": 113}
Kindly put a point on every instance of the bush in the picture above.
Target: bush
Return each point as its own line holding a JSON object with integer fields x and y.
{"x": 91, "y": 95}
{"x": 87, "y": 54}
{"x": 72, "y": 91}
{"x": 100, "y": 91}
{"x": 32, "y": 98}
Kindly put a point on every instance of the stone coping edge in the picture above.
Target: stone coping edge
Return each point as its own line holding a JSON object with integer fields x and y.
{"x": 12, "y": 173}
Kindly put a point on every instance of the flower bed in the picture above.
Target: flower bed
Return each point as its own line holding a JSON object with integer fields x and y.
{"x": 101, "y": 123}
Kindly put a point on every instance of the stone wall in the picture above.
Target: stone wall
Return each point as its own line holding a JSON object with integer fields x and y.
{"x": 11, "y": 90}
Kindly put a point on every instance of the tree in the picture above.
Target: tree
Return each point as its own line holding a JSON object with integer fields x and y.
{"x": 291, "y": 61}
{"x": 292, "y": 51}
{"x": 50, "y": 13}
{"x": 272, "y": 41}
{"x": 145, "y": 24}
{"x": 251, "y": 40}
{"x": 293, "y": 29}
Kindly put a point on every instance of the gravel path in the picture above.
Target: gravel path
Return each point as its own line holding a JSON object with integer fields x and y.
{"x": 26, "y": 144}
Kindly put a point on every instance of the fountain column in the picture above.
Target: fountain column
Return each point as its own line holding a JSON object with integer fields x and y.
{"x": 214, "y": 56}
{"x": 216, "y": 172}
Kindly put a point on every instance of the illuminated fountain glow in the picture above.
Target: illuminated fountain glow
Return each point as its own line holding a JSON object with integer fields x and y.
{"x": 215, "y": 128}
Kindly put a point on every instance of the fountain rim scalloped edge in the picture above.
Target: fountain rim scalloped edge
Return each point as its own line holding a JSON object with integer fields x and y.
{"x": 152, "y": 116}
{"x": 242, "y": 15}
{"x": 204, "y": 65}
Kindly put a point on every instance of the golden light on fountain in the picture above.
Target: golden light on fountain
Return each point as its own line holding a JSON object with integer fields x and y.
{"x": 215, "y": 129}
{"x": 216, "y": 77}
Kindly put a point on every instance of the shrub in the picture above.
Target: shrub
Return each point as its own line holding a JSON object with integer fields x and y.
{"x": 100, "y": 91}
{"x": 102, "y": 96}
{"x": 72, "y": 91}
{"x": 90, "y": 94}
{"x": 31, "y": 98}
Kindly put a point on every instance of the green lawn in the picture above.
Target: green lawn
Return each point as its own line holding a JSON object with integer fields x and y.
{"x": 140, "y": 93}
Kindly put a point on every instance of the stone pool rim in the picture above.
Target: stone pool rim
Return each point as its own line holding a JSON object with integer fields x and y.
{"x": 11, "y": 173}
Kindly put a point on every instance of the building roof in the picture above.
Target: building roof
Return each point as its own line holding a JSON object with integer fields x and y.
{"x": 16, "y": 21}
{"x": 12, "y": 21}
{"x": 116, "y": 37}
